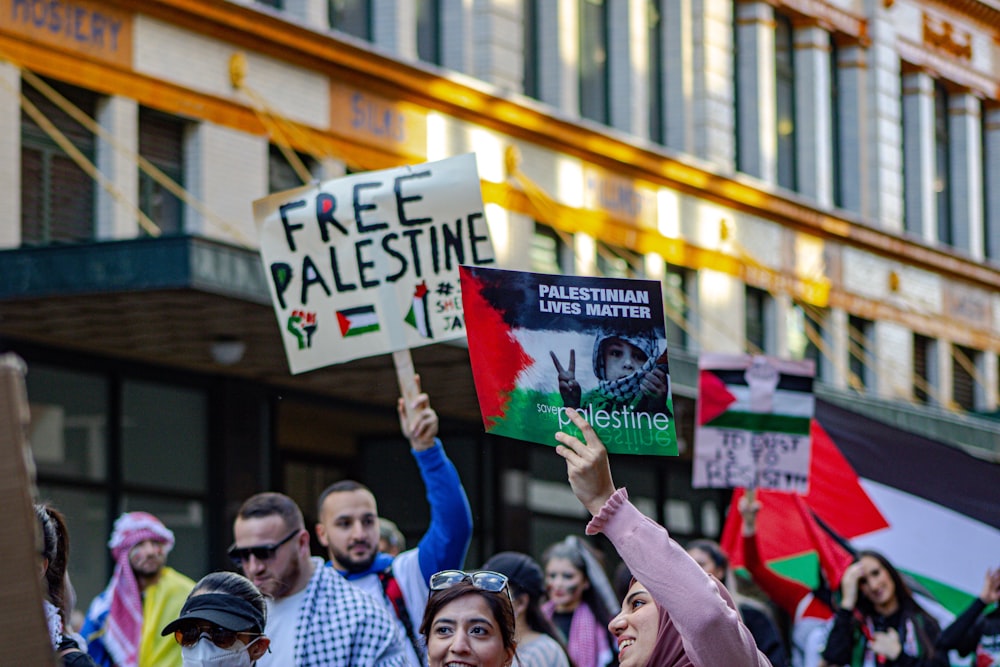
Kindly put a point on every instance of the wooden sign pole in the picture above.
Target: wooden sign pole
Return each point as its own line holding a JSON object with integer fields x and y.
{"x": 405, "y": 374}
{"x": 23, "y": 631}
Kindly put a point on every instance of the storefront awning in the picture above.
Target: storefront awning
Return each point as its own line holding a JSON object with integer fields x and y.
{"x": 165, "y": 301}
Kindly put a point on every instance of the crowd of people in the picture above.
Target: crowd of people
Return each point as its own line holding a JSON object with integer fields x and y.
{"x": 372, "y": 602}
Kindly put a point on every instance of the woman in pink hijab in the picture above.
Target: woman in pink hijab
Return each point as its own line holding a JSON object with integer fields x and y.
{"x": 674, "y": 614}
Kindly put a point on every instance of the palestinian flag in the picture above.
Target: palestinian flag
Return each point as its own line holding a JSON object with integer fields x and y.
{"x": 606, "y": 335}
{"x": 417, "y": 316}
{"x": 753, "y": 417}
{"x": 357, "y": 321}
{"x": 930, "y": 508}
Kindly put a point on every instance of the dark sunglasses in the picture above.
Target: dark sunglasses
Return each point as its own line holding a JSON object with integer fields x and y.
{"x": 487, "y": 580}
{"x": 221, "y": 637}
{"x": 240, "y": 555}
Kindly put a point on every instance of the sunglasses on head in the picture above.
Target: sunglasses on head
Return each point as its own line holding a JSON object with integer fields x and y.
{"x": 221, "y": 637}
{"x": 486, "y": 580}
{"x": 240, "y": 555}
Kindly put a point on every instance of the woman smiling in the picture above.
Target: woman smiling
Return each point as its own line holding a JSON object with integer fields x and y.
{"x": 469, "y": 620}
{"x": 879, "y": 621}
{"x": 674, "y": 614}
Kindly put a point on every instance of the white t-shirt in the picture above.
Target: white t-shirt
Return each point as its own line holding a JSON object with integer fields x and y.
{"x": 282, "y": 622}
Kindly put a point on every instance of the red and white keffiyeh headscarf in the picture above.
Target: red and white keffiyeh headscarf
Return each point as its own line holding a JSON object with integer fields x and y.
{"x": 123, "y": 630}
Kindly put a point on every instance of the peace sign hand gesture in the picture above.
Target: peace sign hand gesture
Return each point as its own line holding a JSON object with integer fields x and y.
{"x": 569, "y": 388}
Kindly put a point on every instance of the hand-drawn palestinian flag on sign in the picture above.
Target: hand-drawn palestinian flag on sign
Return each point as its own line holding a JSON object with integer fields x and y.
{"x": 357, "y": 321}
{"x": 417, "y": 317}
{"x": 539, "y": 343}
{"x": 930, "y": 508}
{"x": 752, "y": 425}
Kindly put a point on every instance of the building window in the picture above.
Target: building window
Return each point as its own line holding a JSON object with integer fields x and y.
{"x": 281, "y": 175}
{"x": 677, "y": 285}
{"x": 942, "y": 158}
{"x": 277, "y": 4}
{"x": 859, "y": 347}
{"x": 756, "y": 317}
{"x": 57, "y": 196}
{"x": 161, "y": 141}
{"x": 96, "y": 437}
{"x": 654, "y": 65}
{"x": 739, "y": 50}
{"x": 594, "y": 60}
{"x": 532, "y": 53}
{"x": 615, "y": 262}
{"x": 923, "y": 351}
{"x": 964, "y": 362}
{"x": 804, "y": 332}
{"x": 836, "y": 154}
{"x": 988, "y": 133}
{"x": 164, "y": 428}
{"x": 784, "y": 70}
{"x": 429, "y": 31}
{"x": 351, "y": 16}
{"x": 548, "y": 250}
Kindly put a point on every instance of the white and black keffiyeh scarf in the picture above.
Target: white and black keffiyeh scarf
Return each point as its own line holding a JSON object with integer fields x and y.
{"x": 339, "y": 624}
{"x": 626, "y": 390}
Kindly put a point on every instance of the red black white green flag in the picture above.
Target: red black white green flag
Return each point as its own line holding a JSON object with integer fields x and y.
{"x": 929, "y": 507}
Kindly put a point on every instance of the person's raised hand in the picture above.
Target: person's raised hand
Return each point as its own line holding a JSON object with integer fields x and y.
{"x": 849, "y": 584}
{"x": 587, "y": 464}
{"x": 569, "y": 388}
{"x": 991, "y": 587}
{"x": 417, "y": 420}
{"x": 749, "y": 507}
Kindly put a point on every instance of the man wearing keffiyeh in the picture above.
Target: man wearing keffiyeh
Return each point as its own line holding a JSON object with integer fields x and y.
{"x": 123, "y": 623}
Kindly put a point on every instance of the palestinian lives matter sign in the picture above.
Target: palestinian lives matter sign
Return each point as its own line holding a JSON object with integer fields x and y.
{"x": 753, "y": 423}
{"x": 541, "y": 343}
{"x": 368, "y": 264}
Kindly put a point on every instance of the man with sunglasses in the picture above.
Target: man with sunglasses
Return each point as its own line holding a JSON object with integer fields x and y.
{"x": 314, "y": 617}
{"x": 349, "y": 528}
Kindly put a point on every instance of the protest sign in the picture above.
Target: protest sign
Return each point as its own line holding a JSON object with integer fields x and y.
{"x": 540, "y": 343}
{"x": 368, "y": 264}
{"x": 753, "y": 422}
{"x": 23, "y": 629}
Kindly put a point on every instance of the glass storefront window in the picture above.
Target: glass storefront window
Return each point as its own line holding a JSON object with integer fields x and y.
{"x": 68, "y": 429}
{"x": 164, "y": 436}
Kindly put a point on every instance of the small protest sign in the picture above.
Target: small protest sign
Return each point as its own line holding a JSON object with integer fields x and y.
{"x": 368, "y": 264}
{"x": 753, "y": 420}
{"x": 540, "y": 343}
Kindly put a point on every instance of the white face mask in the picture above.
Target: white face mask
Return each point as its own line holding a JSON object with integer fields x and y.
{"x": 206, "y": 654}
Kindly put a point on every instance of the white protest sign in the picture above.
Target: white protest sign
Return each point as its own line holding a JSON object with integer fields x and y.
{"x": 753, "y": 423}
{"x": 368, "y": 264}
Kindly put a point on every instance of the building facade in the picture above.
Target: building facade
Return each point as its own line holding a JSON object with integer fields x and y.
{"x": 807, "y": 178}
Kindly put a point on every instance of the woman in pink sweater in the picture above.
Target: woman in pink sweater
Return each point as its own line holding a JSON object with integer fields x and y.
{"x": 674, "y": 614}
